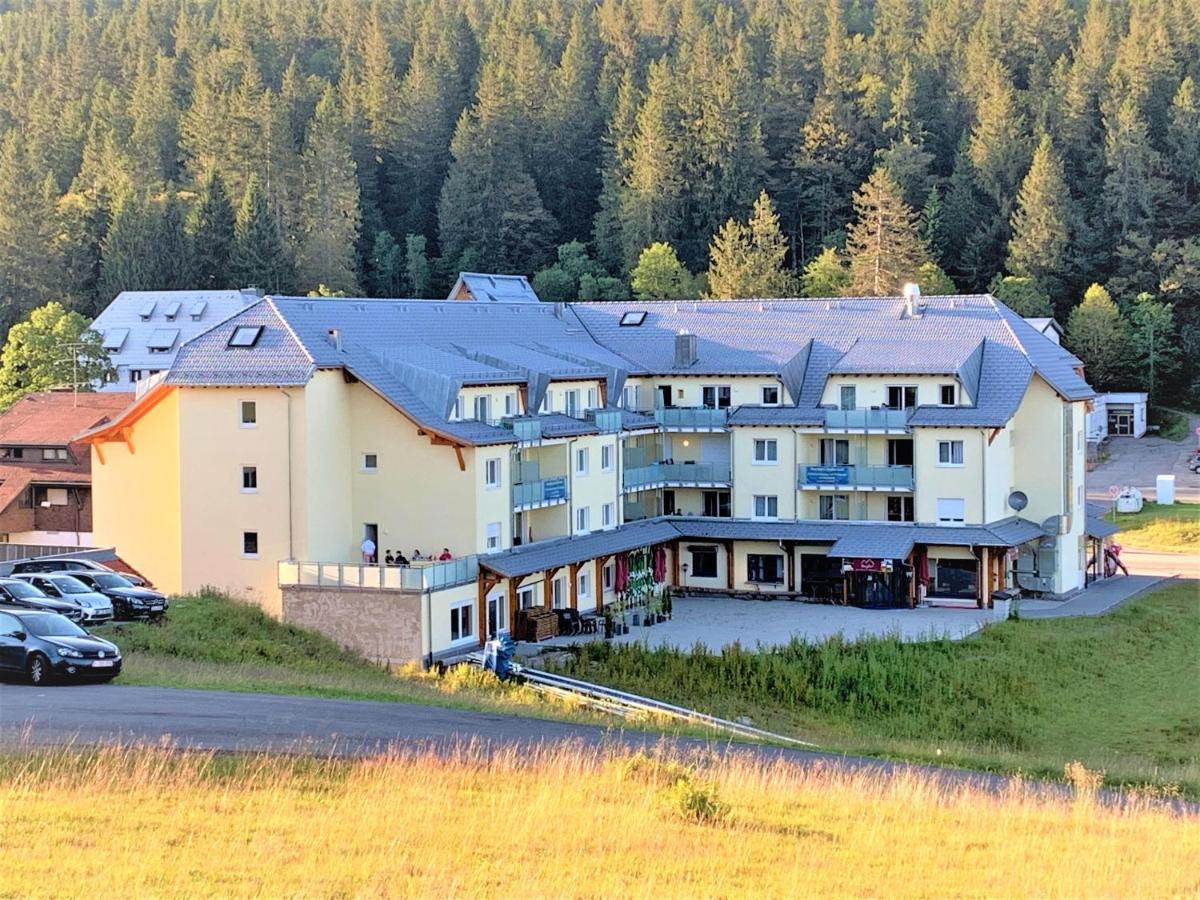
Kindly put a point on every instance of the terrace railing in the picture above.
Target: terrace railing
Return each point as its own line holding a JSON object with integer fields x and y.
{"x": 867, "y": 419}
{"x": 692, "y": 418}
{"x": 415, "y": 578}
{"x": 899, "y": 478}
{"x": 641, "y": 477}
{"x": 544, "y": 490}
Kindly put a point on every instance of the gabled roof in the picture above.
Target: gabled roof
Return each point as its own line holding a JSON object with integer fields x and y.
{"x": 15, "y": 479}
{"x": 488, "y": 288}
{"x": 55, "y": 418}
{"x": 136, "y": 320}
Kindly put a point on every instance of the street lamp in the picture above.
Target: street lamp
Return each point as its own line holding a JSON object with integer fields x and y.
{"x": 684, "y": 570}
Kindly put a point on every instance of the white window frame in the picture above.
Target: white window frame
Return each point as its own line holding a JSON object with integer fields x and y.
{"x": 583, "y": 585}
{"x": 767, "y": 502}
{"x": 257, "y": 544}
{"x": 842, "y": 389}
{"x": 57, "y": 496}
{"x": 483, "y": 403}
{"x": 526, "y": 599}
{"x": 606, "y": 457}
{"x": 249, "y": 490}
{"x": 608, "y": 515}
{"x": 591, "y": 398}
{"x": 608, "y": 574}
{"x": 953, "y": 394}
{"x": 492, "y": 537}
{"x": 770, "y": 452}
{"x": 457, "y": 616}
{"x": 630, "y": 396}
{"x": 366, "y": 468}
{"x": 558, "y": 594}
{"x": 716, "y": 394}
{"x": 253, "y": 405}
{"x": 510, "y": 404}
{"x": 491, "y": 473}
{"x": 582, "y": 461}
{"x": 949, "y": 446}
{"x": 571, "y": 402}
{"x": 583, "y": 519}
{"x": 946, "y": 516}
{"x": 775, "y": 389}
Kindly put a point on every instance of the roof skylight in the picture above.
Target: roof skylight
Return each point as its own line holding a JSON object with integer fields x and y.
{"x": 633, "y": 317}
{"x": 245, "y": 336}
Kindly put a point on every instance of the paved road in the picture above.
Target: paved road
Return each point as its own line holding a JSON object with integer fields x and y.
{"x": 217, "y": 720}
{"x": 1139, "y": 461}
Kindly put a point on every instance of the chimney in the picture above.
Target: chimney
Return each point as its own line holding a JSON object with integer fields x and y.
{"x": 913, "y": 304}
{"x": 560, "y": 310}
{"x": 335, "y": 338}
{"x": 685, "y": 350}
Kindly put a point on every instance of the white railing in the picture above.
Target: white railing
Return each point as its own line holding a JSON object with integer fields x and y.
{"x": 415, "y": 578}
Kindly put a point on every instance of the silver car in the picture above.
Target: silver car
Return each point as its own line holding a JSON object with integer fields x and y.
{"x": 97, "y": 608}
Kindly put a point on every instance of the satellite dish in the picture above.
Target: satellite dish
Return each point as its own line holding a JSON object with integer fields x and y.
{"x": 1017, "y": 500}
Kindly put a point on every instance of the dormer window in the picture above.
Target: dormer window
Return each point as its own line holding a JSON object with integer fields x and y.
{"x": 147, "y": 311}
{"x": 245, "y": 336}
{"x": 770, "y": 395}
{"x": 162, "y": 340}
{"x": 634, "y": 317}
{"x": 949, "y": 395}
{"x": 197, "y": 310}
{"x": 172, "y": 310}
{"x": 114, "y": 339}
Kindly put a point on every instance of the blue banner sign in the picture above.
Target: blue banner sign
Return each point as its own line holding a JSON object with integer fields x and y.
{"x": 554, "y": 489}
{"x": 827, "y": 475}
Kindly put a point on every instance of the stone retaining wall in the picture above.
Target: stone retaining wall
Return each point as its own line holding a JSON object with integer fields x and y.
{"x": 384, "y": 626}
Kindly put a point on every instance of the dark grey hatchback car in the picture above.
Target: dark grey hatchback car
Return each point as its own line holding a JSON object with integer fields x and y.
{"x": 45, "y": 646}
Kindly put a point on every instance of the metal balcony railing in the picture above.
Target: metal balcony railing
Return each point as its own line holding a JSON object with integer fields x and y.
{"x": 692, "y": 418}
{"x": 544, "y": 490}
{"x": 417, "y": 577}
{"x": 866, "y": 419}
{"x": 899, "y": 478}
{"x": 641, "y": 477}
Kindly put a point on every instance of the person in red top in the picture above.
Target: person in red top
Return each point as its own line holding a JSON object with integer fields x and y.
{"x": 446, "y": 555}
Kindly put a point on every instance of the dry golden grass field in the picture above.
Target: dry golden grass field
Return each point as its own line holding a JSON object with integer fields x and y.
{"x": 558, "y": 823}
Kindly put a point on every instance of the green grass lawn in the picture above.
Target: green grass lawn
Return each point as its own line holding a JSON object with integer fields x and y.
{"x": 1120, "y": 692}
{"x": 1173, "y": 529}
{"x": 211, "y": 642}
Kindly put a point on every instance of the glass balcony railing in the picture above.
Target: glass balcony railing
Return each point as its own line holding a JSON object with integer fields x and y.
{"x": 692, "y": 418}
{"x": 899, "y": 478}
{"x": 545, "y": 490}
{"x": 415, "y": 577}
{"x": 608, "y": 421}
{"x": 528, "y": 429}
{"x": 676, "y": 473}
{"x": 891, "y": 419}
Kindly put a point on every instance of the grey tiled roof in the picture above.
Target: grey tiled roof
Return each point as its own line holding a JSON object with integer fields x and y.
{"x": 489, "y": 288}
{"x": 851, "y": 540}
{"x": 1100, "y": 528}
{"x": 189, "y": 313}
{"x": 419, "y": 354}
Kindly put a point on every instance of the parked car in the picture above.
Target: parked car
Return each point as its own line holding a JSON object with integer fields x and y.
{"x": 97, "y": 608}
{"x": 18, "y": 593}
{"x": 68, "y": 565}
{"x": 129, "y": 602}
{"x": 43, "y": 646}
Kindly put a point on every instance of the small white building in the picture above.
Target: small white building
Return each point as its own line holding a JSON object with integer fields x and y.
{"x": 1047, "y": 326}
{"x": 1117, "y": 415}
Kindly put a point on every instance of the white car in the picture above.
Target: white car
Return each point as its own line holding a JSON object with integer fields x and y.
{"x": 97, "y": 609}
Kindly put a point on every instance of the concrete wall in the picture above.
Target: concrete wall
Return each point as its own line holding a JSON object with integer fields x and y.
{"x": 381, "y": 625}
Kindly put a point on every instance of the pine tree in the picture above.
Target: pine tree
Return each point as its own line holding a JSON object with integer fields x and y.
{"x": 329, "y": 217}
{"x": 659, "y": 275}
{"x": 211, "y": 228}
{"x": 29, "y": 262}
{"x": 418, "y": 278}
{"x": 1097, "y": 334}
{"x": 747, "y": 260}
{"x": 930, "y": 228}
{"x": 385, "y": 274}
{"x": 998, "y": 146}
{"x": 1183, "y": 148}
{"x": 826, "y": 275}
{"x": 883, "y": 244}
{"x": 127, "y": 261}
{"x": 258, "y": 256}
{"x": 1040, "y": 225}
{"x": 1132, "y": 187}
{"x": 1021, "y": 295}
{"x": 933, "y": 281}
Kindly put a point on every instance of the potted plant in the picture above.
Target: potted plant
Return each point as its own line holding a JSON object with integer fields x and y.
{"x": 667, "y": 602}
{"x": 609, "y": 626}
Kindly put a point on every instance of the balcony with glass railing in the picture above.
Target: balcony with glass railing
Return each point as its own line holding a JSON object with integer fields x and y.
{"x": 888, "y": 420}
{"x": 855, "y": 478}
{"x": 416, "y": 577}
{"x": 542, "y": 492}
{"x": 690, "y": 418}
{"x": 679, "y": 474}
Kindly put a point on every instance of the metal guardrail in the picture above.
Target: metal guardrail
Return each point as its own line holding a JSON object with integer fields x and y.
{"x": 888, "y": 477}
{"x": 359, "y": 576}
{"x": 890, "y": 419}
{"x": 641, "y": 477}
{"x": 692, "y": 418}
{"x": 623, "y": 703}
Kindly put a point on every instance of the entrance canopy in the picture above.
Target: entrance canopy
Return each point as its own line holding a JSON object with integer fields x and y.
{"x": 864, "y": 543}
